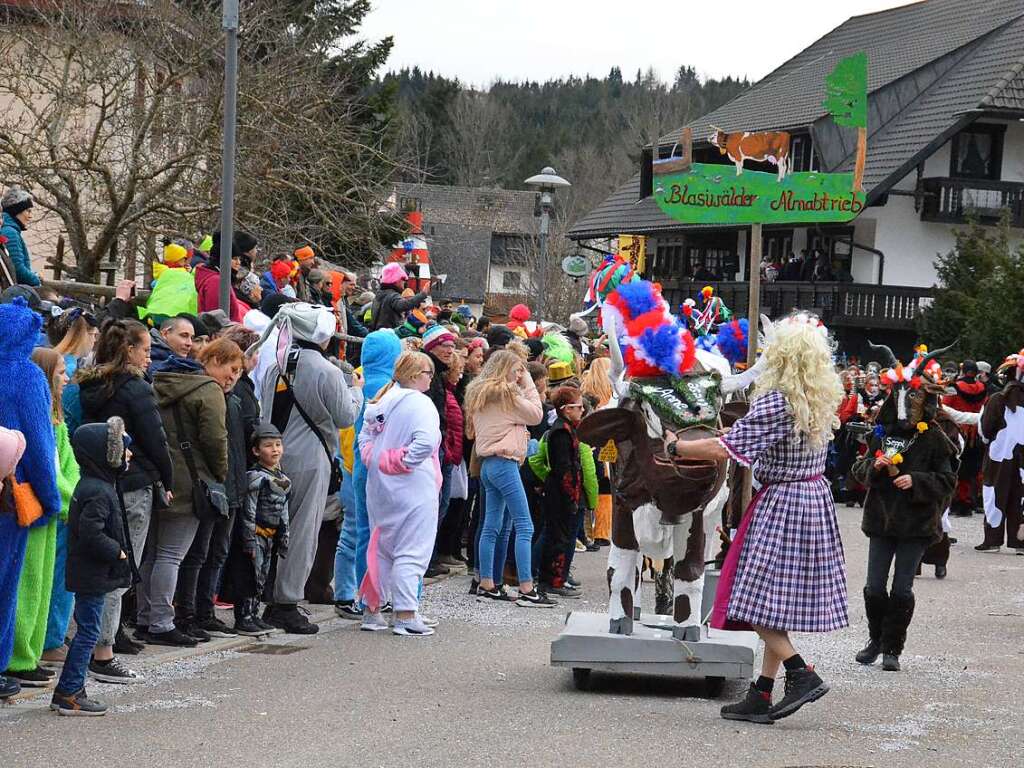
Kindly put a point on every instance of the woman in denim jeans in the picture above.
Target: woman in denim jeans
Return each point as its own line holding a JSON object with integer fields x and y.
{"x": 500, "y": 403}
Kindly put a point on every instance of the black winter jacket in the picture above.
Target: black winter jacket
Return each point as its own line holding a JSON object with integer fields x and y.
{"x": 563, "y": 488}
{"x": 96, "y": 534}
{"x": 389, "y": 307}
{"x": 915, "y": 513}
{"x": 131, "y": 398}
{"x": 245, "y": 391}
{"x": 438, "y": 392}
{"x": 238, "y": 461}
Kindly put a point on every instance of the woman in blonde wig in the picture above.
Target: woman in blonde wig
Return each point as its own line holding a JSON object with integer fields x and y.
{"x": 785, "y": 570}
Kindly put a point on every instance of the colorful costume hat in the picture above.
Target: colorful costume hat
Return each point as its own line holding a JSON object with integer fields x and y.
{"x": 654, "y": 343}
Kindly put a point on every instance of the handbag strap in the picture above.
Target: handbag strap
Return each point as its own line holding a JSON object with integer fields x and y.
{"x": 136, "y": 576}
{"x": 305, "y": 417}
{"x": 185, "y": 445}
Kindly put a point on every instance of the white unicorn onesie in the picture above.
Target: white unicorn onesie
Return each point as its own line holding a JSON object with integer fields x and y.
{"x": 399, "y": 443}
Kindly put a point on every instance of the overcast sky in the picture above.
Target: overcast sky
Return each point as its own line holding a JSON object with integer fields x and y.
{"x": 479, "y": 41}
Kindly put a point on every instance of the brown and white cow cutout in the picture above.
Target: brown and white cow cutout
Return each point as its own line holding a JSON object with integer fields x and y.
{"x": 659, "y": 505}
{"x": 768, "y": 146}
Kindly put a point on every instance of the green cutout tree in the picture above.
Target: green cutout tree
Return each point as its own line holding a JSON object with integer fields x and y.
{"x": 846, "y": 100}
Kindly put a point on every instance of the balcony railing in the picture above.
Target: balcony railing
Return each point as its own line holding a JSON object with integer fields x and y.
{"x": 954, "y": 201}
{"x": 853, "y": 305}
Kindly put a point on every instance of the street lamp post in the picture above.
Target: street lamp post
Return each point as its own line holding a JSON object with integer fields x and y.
{"x": 227, "y": 204}
{"x": 547, "y": 181}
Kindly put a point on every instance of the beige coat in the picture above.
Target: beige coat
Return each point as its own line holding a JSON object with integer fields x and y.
{"x": 501, "y": 431}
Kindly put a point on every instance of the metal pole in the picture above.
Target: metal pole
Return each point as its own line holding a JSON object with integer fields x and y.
{"x": 542, "y": 278}
{"x": 227, "y": 205}
{"x": 753, "y": 315}
{"x": 754, "y": 299}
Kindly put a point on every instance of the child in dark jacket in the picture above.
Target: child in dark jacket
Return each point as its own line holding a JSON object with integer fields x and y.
{"x": 262, "y": 529}
{"x": 99, "y": 556}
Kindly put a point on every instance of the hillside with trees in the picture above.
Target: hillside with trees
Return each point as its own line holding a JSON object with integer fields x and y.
{"x": 590, "y": 129}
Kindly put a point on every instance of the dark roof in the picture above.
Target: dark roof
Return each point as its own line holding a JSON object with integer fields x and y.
{"x": 933, "y": 67}
{"x": 622, "y": 212}
{"x": 956, "y": 99}
{"x": 508, "y": 211}
{"x": 1009, "y": 94}
{"x": 459, "y": 223}
{"x": 463, "y": 253}
{"x": 897, "y": 42}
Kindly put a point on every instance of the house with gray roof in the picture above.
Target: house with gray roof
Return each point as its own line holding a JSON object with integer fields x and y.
{"x": 945, "y": 143}
{"x": 479, "y": 238}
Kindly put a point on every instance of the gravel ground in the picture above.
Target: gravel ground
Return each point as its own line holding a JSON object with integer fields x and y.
{"x": 480, "y": 693}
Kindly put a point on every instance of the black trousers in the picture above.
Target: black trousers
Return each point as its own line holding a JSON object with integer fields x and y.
{"x": 883, "y": 551}
{"x": 199, "y": 574}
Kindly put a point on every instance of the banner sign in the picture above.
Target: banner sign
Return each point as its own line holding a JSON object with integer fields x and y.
{"x": 713, "y": 194}
{"x": 634, "y": 248}
{"x": 705, "y": 193}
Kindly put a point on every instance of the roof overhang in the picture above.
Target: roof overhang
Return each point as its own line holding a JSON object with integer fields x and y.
{"x": 962, "y": 121}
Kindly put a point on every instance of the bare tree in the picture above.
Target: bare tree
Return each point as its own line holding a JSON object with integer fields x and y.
{"x": 96, "y": 96}
{"x": 481, "y": 153}
{"x": 113, "y": 120}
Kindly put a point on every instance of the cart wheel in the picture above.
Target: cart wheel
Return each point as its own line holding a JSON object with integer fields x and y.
{"x": 581, "y": 678}
{"x": 713, "y": 686}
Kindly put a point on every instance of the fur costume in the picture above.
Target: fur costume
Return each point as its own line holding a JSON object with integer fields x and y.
{"x": 24, "y": 406}
{"x": 1002, "y": 430}
{"x": 907, "y": 432}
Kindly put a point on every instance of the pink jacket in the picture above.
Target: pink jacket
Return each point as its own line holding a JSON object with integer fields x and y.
{"x": 453, "y": 427}
{"x": 208, "y": 288}
{"x": 502, "y": 432}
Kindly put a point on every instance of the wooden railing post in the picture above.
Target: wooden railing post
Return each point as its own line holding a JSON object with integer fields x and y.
{"x": 56, "y": 263}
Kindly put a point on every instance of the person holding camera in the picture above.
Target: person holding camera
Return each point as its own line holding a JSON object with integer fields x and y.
{"x": 389, "y": 307}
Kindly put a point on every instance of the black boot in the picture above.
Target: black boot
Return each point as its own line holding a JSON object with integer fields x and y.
{"x": 802, "y": 687}
{"x": 754, "y": 708}
{"x": 290, "y": 618}
{"x": 875, "y": 606}
{"x": 123, "y": 644}
{"x": 894, "y": 630}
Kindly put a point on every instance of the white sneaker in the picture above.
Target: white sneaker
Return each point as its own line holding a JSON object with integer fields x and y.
{"x": 428, "y": 621}
{"x": 373, "y": 622}
{"x": 413, "y": 627}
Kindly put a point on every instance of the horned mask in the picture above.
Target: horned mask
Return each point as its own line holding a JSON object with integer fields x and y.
{"x": 914, "y": 393}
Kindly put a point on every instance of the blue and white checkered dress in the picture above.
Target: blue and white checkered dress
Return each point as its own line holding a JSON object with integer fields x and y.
{"x": 791, "y": 573}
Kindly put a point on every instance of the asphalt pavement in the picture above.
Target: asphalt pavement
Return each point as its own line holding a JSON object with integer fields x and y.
{"x": 481, "y": 693}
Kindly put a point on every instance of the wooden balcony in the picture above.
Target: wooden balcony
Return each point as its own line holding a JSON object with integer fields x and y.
{"x": 954, "y": 201}
{"x": 851, "y": 305}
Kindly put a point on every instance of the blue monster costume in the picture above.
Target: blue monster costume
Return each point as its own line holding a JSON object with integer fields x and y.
{"x": 25, "y": 406}
{"x": 380, "y": 351}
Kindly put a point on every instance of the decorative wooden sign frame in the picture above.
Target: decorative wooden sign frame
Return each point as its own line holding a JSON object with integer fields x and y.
{"x": 705, "y": 193}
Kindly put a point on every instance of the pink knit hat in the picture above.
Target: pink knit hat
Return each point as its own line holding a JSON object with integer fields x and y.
{"x": 392, "y": 273}
{"x": 12, "y": 446}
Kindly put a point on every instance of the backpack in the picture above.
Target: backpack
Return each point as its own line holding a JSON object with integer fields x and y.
{"x": 541, "y": 468}
{"x": 538, "y": 461}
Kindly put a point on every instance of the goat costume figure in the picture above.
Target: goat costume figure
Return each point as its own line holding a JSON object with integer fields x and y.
{"x": 663, "y": 385}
